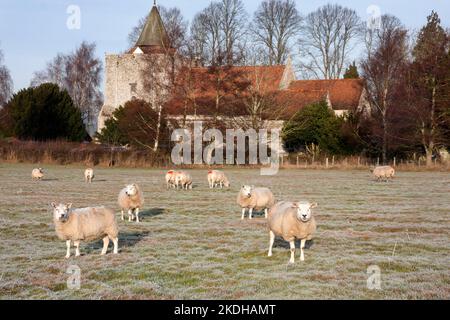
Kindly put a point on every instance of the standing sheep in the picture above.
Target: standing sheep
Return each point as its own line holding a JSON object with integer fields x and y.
{"x": 131, "y": 199}
{"x": 37, "y": 174}
{"x": 183, "y": 179}
{"x": 252, "y": 198}
{"x": 383, "y": 172}
{"x": 216, "y": 177}
{"x": 85, "y": 224}
{"x": 292, "y": 220}
{"x": 88, "y": 175}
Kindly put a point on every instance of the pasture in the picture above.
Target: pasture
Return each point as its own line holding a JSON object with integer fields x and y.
{"x": 193, "y": 245}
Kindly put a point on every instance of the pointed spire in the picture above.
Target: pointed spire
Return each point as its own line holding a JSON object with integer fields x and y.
{"x": 154, "y": 32}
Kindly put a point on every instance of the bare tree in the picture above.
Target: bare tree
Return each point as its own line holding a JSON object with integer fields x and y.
{"x": 80, "y": 74}
{"x": 275, "y": 25}
{"x": 234, "y": 28}
{"x": 6, "y": 83}
{"x": 382, "y": 69}
{"x": 326, "y": 39}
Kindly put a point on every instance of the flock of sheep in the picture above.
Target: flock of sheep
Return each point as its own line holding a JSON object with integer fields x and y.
{"x": 289, "y": 220}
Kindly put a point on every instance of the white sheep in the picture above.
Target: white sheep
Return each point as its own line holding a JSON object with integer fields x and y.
{"x": 89, "y": 175}
{"x": 85, "y": 224}
{"x": 170, "y": 179}
{"x": 216, "y": 177}
{"x": 131, "y": 199}
{"x": 383, "y": 172}
{"x": 183, "y": 179}
{"x": 292, "y": 220}
{"x": 252, "y": 198}
{"x": 37, "y": 174}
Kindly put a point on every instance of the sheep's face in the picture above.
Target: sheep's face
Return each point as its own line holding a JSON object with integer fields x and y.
{"x": 61, "y": 211}
{"x": 247, "y": 191}
{"x": 304, "y": 211}
{"x": 226, "y": 183}
{"x": 131, "y": 190}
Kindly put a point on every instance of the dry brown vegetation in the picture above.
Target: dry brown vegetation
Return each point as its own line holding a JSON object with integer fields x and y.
{"x": 192, "y": 244}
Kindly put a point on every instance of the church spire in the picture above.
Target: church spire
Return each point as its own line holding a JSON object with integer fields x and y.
{"x": 154, "y": 32}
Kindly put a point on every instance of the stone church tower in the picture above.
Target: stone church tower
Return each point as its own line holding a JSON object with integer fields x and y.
{"x": 124, "y": 72}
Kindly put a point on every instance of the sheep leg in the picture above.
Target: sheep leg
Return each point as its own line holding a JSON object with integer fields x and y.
{"x": 272, "y": 240}
{"x": 136, "y": 211}
{"x": 130, "y": 214}
{"x": 105, "y": 245}
{"x": 122, "y": 215}
{"x": 68, "y": 249}
{"x": 243, "y": 213}
{"x": 292, "y": 245}
{"x": 250, "y": 211}
{"x": 77, "y": 248}
{"x": 302, "y": 245}
{"x": 116, "y": 244}
{"x": 266, "y": 212}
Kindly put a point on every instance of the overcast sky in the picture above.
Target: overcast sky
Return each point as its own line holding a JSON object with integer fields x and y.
{"x": 32, "y": 32}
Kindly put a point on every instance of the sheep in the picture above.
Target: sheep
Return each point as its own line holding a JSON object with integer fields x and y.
{"x": 89, "y": 175}
{"x": 216, "y": 177}
{"x": 170, "y": 179}
{"x": 183, "y": 179}
{"x": 131, "y": 199}
{"x": 292, "y": 220}
{"x": 85, "y": 224}
{"x": 37, "y": 174}
{"x": 386, "y": 172}
{"x": 252, "y": 198}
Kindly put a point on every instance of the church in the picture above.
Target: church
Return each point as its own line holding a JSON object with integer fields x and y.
{"x": 125, "y": 80}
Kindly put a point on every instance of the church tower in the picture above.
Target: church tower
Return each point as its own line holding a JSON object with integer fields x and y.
{"x": 124, "y": 72}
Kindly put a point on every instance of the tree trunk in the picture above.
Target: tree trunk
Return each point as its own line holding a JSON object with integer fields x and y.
{"x": 158, "y": 126}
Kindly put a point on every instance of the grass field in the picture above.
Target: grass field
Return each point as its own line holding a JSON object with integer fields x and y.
{"x": 193, "y": 245}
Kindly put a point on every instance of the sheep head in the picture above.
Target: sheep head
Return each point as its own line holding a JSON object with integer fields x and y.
{"x": 246, "y": 190}
{"x": 304, "y": 211}
{"x": 61, "y": 211}
{"x": 131, "y": 190}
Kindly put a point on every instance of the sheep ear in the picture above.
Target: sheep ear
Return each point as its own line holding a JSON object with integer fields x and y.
{"x": 295, "y": 205}
{"x": 53, "y": 204}
{"x": 69, "y": 205}
{"x": 313, "y": 205}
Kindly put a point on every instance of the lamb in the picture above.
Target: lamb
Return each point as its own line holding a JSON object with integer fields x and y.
{"x": 170, "y": 179}
{"x": 386, "y": 172}
{"x": 37, "y": 174}
{"x": 85, "y": 224}
{"x": 183, "y": 179}
{"x": 131, "y": 199}
{"x": 89, "y": 175}
{"x": 252, "y": 198}
{"x": 292, "y": 220}
{"x": 216, "y": 177}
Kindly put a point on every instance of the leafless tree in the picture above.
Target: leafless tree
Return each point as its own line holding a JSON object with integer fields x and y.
{"x": 326, "y": 39}
{"x": 275, "y": 25}
{"x": 382, "y": 68}
{"x": 80, "y": 74}
{"x": 6, "y": 83}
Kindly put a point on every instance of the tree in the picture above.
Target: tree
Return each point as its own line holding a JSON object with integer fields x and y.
{"x": 6, "y": 83}
{"x": 45, "y": 113}
{"x": 315, "y": 125}
{"x": 382, "y": 70}
{"x": 326, "y": 39}
{"x": 429, "y": 83}
{"x": 351, "y": 72}
{"x": 275, "y": 25}
{"x": 80, "y": 74}
{"x": 136, "y": 123}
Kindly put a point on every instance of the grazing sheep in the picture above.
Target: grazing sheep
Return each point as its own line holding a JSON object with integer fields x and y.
{"x": 383, "y": 172}
{"x": 37, "y": 174}
{"x": 252, "y": 198}
{"x": 85, "y": 224}
{"x": 131, "y": 199}
{"x": 89, "y": 175}
{"x": 292, "y": 220}
{"x": 170, "y": 179}
{"x": 183, "y": 179}
{"x": 216, "y": 177}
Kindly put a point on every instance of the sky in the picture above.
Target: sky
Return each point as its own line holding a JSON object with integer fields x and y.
{"x": 32, "y": 32}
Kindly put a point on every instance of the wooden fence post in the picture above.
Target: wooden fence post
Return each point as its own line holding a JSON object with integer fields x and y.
{"x": 395, "y": 162}
{"x": 332, "y": 161}
{"x": 326, "y": 163}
